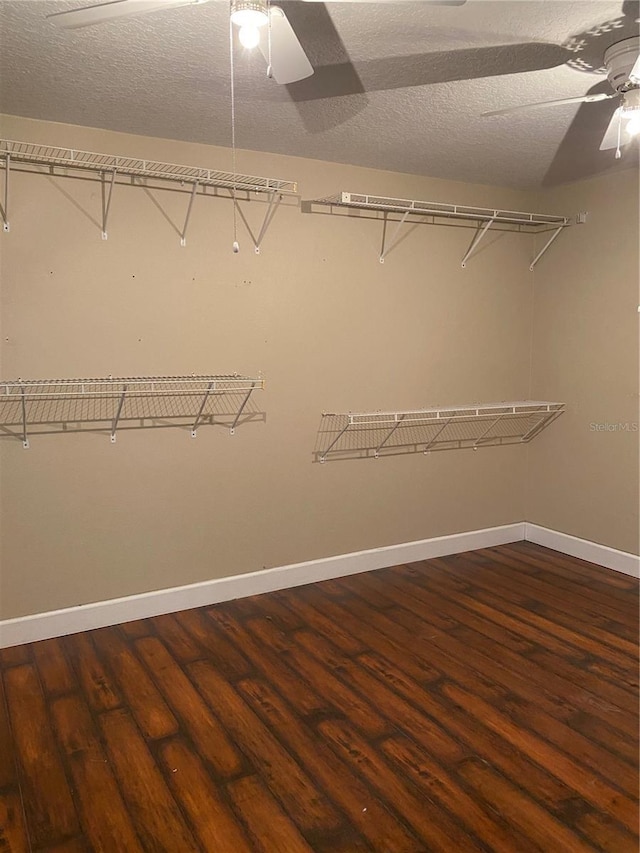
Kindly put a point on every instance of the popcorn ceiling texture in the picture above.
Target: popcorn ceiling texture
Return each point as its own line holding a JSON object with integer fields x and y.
{"x": 426, "y": 74}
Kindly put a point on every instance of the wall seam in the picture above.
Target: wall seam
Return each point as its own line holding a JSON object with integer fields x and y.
{"x": 532, "y": 306}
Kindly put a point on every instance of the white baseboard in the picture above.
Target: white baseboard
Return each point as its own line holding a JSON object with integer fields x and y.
{"x": 603, "y": 555}
{"x": 57, "y": 623}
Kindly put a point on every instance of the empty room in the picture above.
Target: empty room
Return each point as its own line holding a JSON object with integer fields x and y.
{"x": 319, "y": 405}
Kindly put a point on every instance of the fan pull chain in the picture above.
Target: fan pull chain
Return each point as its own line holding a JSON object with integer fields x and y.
{"x": 269, "y": 68}
{"x": 236, "y": 245}
{"x": 618, "y": 151}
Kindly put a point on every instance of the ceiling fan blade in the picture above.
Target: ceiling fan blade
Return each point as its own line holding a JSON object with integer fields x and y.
{"x": 610, "y": 138}
{"x": 635, "y": 71}
{"x": 289, "y": 62}
{"x": 100, "y": 13}
{"x": 584, "y": 99}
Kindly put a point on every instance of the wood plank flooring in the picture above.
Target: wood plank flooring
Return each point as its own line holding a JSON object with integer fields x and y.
{"x": 481, "y": 702}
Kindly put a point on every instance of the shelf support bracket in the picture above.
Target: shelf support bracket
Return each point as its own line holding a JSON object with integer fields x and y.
{"x": 210, "y": 388}
{"x": 394, "y": 239}
{"x": 534, "y": 429}
{"x": 487, "y": 431}
{"x": 442, "y": 429}
{"x": 274, "y": 202}
{"x": 114, "y": 425}
{"x": 25, "y": 438}
{"x": 323, "y": 457}
{"x": 546, "y": 419}
{"x": 183, "y": 235}
{"x": 476, "y": 241}
{"x": 545, "y": 247}
{"x": 398, "y": 422}
{"x": 106, "y": 201}
{"x": 241, "y": 409}
{"x": 4, "y": 209}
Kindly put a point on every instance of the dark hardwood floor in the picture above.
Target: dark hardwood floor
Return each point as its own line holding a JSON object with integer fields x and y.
{"x": 481, "y": 702}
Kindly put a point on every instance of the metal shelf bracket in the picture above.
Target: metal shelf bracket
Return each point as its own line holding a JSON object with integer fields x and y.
{"x": 183, "y": 234}
{"x": 232, "y": 429}
{"x": 476, "y": 241}
{"x": 398, "y": 421}
{"x": 107, "y": 193}
{"x": 273, "y": 204}
{"x": 4, "y": 208}
{"x": 114, "y": 425}
{"x": 487, "y": 431}
{"x": 545, "y": 247}
{"x": 394, "y": 239}
{"x": 194, "y": 428}
{"x": 433, "y": 440}
{"x": 323, "y": 456}
{"x": 25, "y": 440}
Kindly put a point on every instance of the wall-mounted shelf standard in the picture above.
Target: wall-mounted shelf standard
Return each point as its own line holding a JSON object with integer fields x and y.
{"x": 110, "y": 170}
{"x": 436, "y": 213}
{"x": 45, "y": 406}
{"x": 362, "y": 435}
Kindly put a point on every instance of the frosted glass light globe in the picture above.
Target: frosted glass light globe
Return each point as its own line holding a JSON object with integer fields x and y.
{"x": 249, "y": 36}
{"x": 633, "y": 126}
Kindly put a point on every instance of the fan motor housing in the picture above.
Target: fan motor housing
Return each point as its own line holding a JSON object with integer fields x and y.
{"x": 619, "y": 59}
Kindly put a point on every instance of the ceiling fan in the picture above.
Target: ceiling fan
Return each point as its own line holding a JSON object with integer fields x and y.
{"x": 622, "y": 63}
{"x": 278, "y": 41}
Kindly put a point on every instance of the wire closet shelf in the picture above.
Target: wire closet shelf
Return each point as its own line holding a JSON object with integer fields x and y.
{"x": 45, "y": 406}
{"x": 111, "y": 169}
{"x": 357, "y": 435}
{"x": 441, "y": 213}
{"x": 33, "y": 154}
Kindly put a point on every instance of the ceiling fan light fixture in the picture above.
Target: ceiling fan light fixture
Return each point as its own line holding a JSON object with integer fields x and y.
{"x": 249, "y": 13}
{"x": 249, "y": 16}
{"x": 249, "y": 37}
{"x": 633, "y": 125}
{"x": 630, "y": 111}
{"x": 631, "y": 102}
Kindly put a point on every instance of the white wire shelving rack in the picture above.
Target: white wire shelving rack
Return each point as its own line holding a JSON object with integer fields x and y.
{"x": 357, "y": 435}
{"x": 110, "y": 170}
{"x": 46, "y": 406}
{"x": 398, "y": 211}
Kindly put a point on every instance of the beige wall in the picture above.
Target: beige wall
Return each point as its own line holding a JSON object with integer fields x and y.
{"x": 82, "y": 520}
{"x": 584, "y": 481}
{"x": 331, "y": 328}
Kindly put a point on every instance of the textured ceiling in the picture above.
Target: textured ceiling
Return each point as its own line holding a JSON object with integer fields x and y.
{"x": 398, "y": 86}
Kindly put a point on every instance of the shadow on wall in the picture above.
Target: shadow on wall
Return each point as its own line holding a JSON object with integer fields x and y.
{"x": 256, "y": 223}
